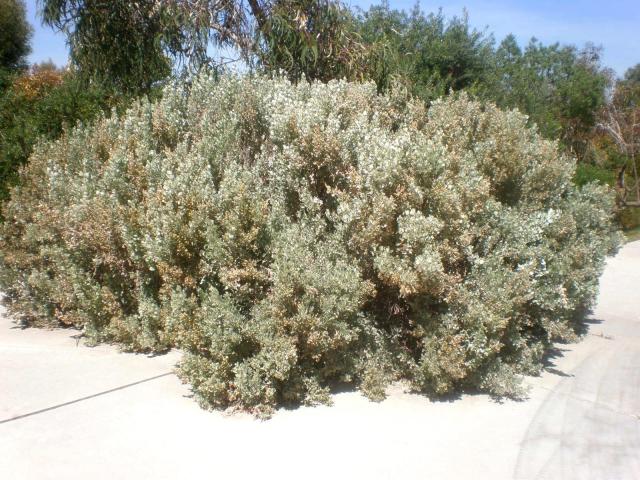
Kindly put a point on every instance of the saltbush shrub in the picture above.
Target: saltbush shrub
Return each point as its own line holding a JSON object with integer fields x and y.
{"x": 289, "y": 237}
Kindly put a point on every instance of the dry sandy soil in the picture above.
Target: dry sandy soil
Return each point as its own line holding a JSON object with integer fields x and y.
{"x": 72, "y": 412}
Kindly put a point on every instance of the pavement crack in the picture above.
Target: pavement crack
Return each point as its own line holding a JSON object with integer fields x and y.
{"x": 82, "y": 399}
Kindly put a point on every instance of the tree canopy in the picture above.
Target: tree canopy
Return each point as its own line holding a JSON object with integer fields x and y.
{"x": 15, "y": 37}
{"x": 433, "y": 54}
{"x": 131, "y": 45}
{"x": 561, "y": 88}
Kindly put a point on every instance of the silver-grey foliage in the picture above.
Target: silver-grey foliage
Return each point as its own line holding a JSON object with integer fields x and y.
{"x": 290, "y": 236}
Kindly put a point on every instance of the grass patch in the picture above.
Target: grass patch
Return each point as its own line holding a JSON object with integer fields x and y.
{"x": 632, "y": 235}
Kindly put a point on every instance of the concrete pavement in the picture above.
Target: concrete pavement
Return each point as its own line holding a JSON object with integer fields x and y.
{"x": 72, "y": 412}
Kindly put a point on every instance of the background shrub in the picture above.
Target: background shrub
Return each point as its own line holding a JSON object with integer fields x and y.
{"x": 290, "y": 236}
{"x": 629, "y": 218}
{"x": 587, "y": 173}
{"x": 39, "y": 105}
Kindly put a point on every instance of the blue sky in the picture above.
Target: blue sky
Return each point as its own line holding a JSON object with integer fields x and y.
{"x": 612, "y": 24}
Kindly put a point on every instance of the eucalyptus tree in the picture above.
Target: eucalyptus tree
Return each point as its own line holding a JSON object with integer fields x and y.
{"x": 133, "y": 45}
